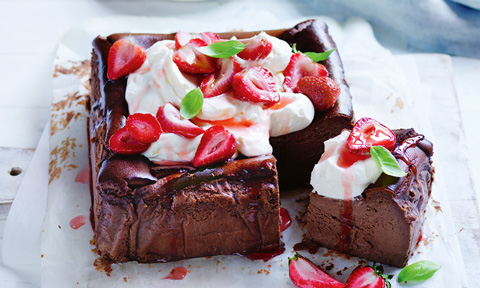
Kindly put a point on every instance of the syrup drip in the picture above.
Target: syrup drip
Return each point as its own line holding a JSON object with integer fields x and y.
{"x": 347, "y": 159}
{"x": 285, "y": 219}
{"x": 401, "y": 151}
{"x": 177, "y": 273}
{"x": 77, "y": 222}
{"x": 346, "y": 217}
{"x": 265, "y": 256}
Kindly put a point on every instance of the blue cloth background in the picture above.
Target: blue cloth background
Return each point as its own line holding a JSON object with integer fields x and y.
{"x": 444, "y": 26}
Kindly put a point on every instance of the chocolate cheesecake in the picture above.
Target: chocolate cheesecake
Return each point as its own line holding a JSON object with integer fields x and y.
{"x": 384, "y": 223}
{"x": 147, "y": 212}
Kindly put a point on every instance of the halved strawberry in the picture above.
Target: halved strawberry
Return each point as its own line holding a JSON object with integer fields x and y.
{"x": 221, "y": 81}
{"x": 171, "y": 121}
{"x": 258, "y": 48}
{"x": 301, "y": 65}
{"x": 182, "y": 38}
{"x": 369, "y": 132}
{"x": 368, "y": 277}
{"x": 190, "y": 60}
{"x": 122, "y": 142}
{"x": 217, "y": 145}
{"x": 322, "y": 91}
{"x": 256, "y": 84}
{"x": 124, "y": 57}
{"x": 305, "y": 274}
{"x": 144, "y": 127}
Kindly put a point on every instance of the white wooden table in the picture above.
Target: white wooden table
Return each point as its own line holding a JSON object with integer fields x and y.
{"x": 30, "y": 30}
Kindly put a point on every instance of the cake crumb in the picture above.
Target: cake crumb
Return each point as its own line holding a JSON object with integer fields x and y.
{"x": 103, "y": 265}
{"x": 125, "y": 279}
{"x": 59, "y": 227}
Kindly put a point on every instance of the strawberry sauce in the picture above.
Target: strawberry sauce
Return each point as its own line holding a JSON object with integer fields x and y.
{"x": 346, "y": 214}
{"x": 347, "y": 159}
{"x": 177, "y": 273}
{"x": 285, "y": 220}
{"x": 265, "y": 256}
{"x": 77, "y": 222}
{"x": 83, "y": 176}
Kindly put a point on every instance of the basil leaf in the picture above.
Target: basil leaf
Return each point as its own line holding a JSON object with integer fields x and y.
{"x": 191, "y": 104}
{"x": 317, "y": 57}
{"x": 294, "y": 48}
{"x": 419, "y": 271}
{"x": 223, "y": 49}
{"x": 386, "y": 161}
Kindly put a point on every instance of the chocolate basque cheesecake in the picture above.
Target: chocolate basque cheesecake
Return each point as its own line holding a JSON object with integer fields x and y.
{"x": 186, "y": 139}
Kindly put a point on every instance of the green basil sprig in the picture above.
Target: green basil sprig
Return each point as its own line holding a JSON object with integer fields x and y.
{"x": 191, "y": 104}
{"x": 223, "y": 49}
{"x": 317, "y": 57}
{"x": 417, "y": 272}
{"x": 386, "y": 161}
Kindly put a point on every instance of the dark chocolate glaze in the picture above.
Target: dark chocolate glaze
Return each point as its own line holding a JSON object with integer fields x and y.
{"x": 386, "y": 220}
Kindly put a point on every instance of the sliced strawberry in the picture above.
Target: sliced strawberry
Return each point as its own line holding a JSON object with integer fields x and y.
{"x": 369, "y": 132}
{"x": 122, "y": 142}
{"x": 171, "y": 121}
{"x": 124, "y": 57}
{"x": 143, "y": 127}
{"x": 190, "y": 60}
{"x": 221, "y": 81}
{"x": 305, "y": 274}
{"x": 217, "y": 145}
{"x": 256, "y": 84}
{"x": 258, "y": 48}
{"x": 322, "y": 91}
{"x": 368, "y": 277}
{"x": 182, "y": 38}
{"x": 301, "y": 65}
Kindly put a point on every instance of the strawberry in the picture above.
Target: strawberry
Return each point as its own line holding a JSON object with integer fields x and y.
{"x": 171, "y": 121}
{"x": 124, "y": 57}
{"x": 122, "y": 142}
{"x": 305, "y": 274}
{"x": 369, "y": 132}
{"x": 143, "y": 127}
{"x": 221, "y": 81}
{"x": 322, "y": 91}
{"x": 257, "y": 49}
{"x": 368, "y": 277}
{"x": 217, "y": 145}
{"x": 182, "y": 38}
{"x": 190, "y": 60}
{"x": 301, "y": 65}
{"x": 256, "y": 84}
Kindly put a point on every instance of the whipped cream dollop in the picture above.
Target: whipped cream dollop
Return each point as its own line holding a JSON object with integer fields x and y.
{"x": 331, "y": 180}
{"x": 159, "y": 81}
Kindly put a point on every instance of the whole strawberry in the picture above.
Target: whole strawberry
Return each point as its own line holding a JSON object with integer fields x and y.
{"x": 322, "y": 91}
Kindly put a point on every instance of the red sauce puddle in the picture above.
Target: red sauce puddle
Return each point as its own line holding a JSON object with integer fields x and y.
{"x": 265, "y": 256}
{"x": 177, "y": 273}
{"x": 285, "y": 220}
{"x": 83, "y": 176}
{"x": 77, "y": 222}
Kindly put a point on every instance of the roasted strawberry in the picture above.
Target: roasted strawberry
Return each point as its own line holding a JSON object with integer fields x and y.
{"x": 169, "y": 118}
{"x": 143, "y": 127}
{"x": 322, "y": 91}
{"x": 217, "y": 145}
{"x": 301, "y": 65}
{"x": 122, "y": 142}
{"x": 256, "y": 84}
{"x": 258, "y": 48}
{"x": 305, "y": 274}
{"x": 369, "y": 132}
{"x": 220, "y": 81}
{"x": 368, "y": 277}
{"x": 190, "y": 60}
{"x": 124, "y": 57}
{"x": 182, "y": 38}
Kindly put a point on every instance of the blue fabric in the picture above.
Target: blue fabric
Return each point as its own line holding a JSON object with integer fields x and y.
{"x": 430, "y": 25}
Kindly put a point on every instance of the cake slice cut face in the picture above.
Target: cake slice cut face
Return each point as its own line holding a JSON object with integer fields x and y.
{"x": 202, "y": 183}
{"x": 382, "y": 222}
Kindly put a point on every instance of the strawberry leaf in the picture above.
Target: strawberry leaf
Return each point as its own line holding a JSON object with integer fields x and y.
{"x": 191, "y": 104}
{"x": 317, "y": 57}
{"x": 294, "y": 48}
{"x": 386, "y": 161}
{"x": 419, "y": 271}
{"x": 223, "y": 49}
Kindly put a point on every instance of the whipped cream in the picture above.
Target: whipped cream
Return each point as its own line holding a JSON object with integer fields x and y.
{"x": 330, "y": 180}
{"x": 159, "y": 81}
